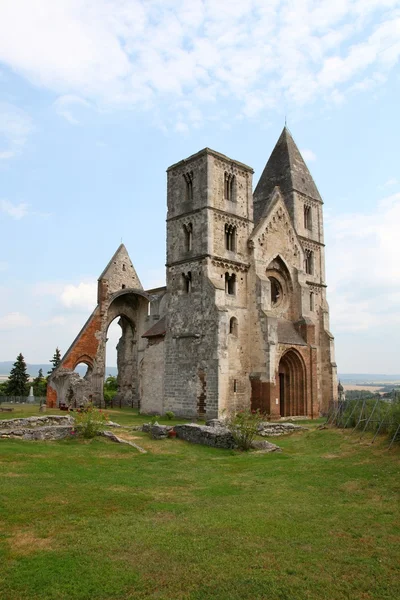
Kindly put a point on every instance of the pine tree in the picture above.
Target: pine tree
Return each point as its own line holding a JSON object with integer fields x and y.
{"x": 55, "y": 361}
{"x": 17, "y": 383}
{"x": 39, "y": 384}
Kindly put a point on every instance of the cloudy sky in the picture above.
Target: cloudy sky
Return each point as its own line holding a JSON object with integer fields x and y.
{"x": 99, "y": 97}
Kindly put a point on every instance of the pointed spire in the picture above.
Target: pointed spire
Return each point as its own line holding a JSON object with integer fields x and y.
{"x": 120, "y": 271}
{"x": 285, "y": 168}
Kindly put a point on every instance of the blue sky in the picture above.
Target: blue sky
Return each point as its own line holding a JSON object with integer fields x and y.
{"x": 99, "y": 97}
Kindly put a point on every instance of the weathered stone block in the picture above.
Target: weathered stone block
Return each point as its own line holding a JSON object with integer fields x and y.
{"x": 217, "y": 437}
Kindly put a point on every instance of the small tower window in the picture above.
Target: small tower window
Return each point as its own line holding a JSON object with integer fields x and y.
{"x": 123, "y": 286}
{"x": 229, "y": 186}
{"x": 311, "y": 301}
{"x": 235, "y": 385}
{"x": 230, "y": 284}
{"x": 230, "y": 237}
{"x": 187, "y": 282}
{"x": 123, "y": 267}
{"x": 233, "y": 326}
{"x": 188, "y": 229}
{"x": 309, "y": 262}
{"x": 307, "y": 217}
{"x": 189, "y": 185}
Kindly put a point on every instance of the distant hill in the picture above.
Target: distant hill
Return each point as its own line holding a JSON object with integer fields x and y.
{"x": 6, "y": 366}
{"x": 367, "y": 377}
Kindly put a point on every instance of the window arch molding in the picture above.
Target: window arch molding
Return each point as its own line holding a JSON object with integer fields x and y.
{"x": 281, "y": 287}
{"x": 233, "y": 327}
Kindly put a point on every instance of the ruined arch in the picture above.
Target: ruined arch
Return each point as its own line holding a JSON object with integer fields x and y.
{"x": 292, "y": 383}
{"x": 127, "y": 367}
{"x": 86, "y": 360}
{"x": 120, "y": 295}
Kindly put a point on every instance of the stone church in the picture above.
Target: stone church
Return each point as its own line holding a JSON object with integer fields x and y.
{"x": 243, "y": 321}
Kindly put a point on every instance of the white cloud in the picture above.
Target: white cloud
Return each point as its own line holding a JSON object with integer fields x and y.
{"x": 80, "y": 297}
{"x": 363, "y": 254}
{"x": 390, "y": 182}
{"x": 308, "y": 155}
{"x": 15, "y": 128}
{"x": 260, "y": 54}
{"x": 14, "y": 320}
{"x": 19, "y": 211}
{"x": 63, "y": 106}
{"x": 15, "y": 211}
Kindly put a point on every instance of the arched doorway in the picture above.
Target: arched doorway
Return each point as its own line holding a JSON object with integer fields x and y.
{"x": 125, "y": 356}
{"x": 292, "y": 385}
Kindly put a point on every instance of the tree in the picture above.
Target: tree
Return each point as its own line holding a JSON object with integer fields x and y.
{"x": 39, "y": 384}
{"x": 110, "y": 389}
{"x": 17, "y": 384}
{"x": 55, "y": 361}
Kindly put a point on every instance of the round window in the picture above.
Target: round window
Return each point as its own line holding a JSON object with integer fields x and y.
{"x": 276, "y": 292}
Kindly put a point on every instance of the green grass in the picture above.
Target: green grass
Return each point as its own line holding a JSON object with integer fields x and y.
{"x": 95, "y": 520}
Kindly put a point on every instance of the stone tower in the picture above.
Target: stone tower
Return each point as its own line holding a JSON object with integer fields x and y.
{"x": 287, "y": 199}
{"x": 210, "y": 213}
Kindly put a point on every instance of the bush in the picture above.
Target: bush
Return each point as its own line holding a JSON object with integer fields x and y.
{"x": 170, "y": 415}
{"x": 154, "y": 419}
{"x": 244, "y": 427}
{"x": 90, "y": 421}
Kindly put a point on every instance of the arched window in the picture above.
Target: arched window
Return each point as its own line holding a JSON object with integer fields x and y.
{"x": 309, "y": 262}
{"x": 189, "y": 185}
{"x": 233, "y": 326}
{"x": 230, "y": 284}
{"x": 307, "y": 217}
{"x": 230, "y": 237}
{"x": 187, "y": 282}
{"x": 188, "y": 230}
{"x": 229, "y": 186}
{"x": 311, "y": 301}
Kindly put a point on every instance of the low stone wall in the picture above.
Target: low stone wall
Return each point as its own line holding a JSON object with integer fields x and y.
{"x": 217, "y": 437}
{"x": 51, "y": 432}
{"x": 276, "y": 429}
{"x": 30, "y": 422}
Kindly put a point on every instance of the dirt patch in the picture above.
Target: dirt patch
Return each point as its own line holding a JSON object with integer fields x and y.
{"x": 351, "y": 486}
{"x": 330, "y": 456}
{"x": 26, "y": 542}
{"x": 117, "y": 456}
{"x": 120, "y": 488}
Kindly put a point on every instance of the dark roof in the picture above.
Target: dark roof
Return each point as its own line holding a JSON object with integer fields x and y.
{"x": 158, "y": 329}
{"x": 287, "y": 334}
{"x": 285, "y": 168}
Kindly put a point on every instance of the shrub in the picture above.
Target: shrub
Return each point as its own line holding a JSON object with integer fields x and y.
{"x": 90, "y": 421}
{"x": 170, "y": 415}
{"x": 154, "y": 419}
{"x": 244, "y": 427}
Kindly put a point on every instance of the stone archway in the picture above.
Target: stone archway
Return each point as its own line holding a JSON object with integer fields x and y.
{"x": 127, "y": 362}
{"x": 120, "y": 294}
{"x": 292, "y": 385}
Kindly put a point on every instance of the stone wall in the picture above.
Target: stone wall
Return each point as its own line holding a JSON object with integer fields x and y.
{"x": 152, "y": 377}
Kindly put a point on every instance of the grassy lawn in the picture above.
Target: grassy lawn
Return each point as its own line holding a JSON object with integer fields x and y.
{"x": 95, "y": 520}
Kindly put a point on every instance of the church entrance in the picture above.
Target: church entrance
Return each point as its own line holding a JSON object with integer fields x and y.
{"x": 291, "y": 385}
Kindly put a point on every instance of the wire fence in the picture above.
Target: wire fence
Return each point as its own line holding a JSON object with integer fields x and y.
{"x": 380, "y": 416}
{"x": 22, "y": 400}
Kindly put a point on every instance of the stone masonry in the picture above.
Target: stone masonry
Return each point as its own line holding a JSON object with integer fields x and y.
{"x": 243, "y": 321}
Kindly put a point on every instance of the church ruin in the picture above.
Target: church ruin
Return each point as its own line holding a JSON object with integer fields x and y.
{"x": 243, "y": 321}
